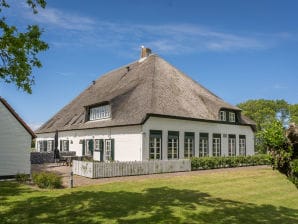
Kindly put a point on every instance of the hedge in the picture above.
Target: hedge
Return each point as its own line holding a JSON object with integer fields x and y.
{"x": 47, "y": 180}
{"x": 204, "y": 163}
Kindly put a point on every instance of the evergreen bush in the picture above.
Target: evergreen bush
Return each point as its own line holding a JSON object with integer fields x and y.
{"x": 47, "y": 180}
{"x": 204, "y": 163}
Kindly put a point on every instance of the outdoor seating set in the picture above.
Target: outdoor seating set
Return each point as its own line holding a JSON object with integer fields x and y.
{"x": 67, "y": 160}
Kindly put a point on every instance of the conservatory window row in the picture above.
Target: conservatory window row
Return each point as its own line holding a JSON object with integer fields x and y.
{"x": 155, "y": 145}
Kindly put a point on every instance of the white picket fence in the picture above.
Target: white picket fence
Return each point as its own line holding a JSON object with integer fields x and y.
{"x": 117, "y": 169}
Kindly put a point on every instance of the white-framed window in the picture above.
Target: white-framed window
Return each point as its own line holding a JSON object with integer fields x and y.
{"x": 97, "y": 144}
{"x": 100, "y": 112}
{"x": 108, "y": 150}
{"x": 173, "y": 145}
{"x": 189, "y": 144}
{"x": 64, "y": 145}
{"x": 222, "y": 115}
{"x": 242, "y": 145}
{"x": 203, "y": 144}
{"x": 155, "y": 144}
{"x": 216, "y": 145}
{"x": 42, "y": 146}
{"x": 50, "y": 145}
{"x": 232, "y": 145}
{"x": 232, "y": 117}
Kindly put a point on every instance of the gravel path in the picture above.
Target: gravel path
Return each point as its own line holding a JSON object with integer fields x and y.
{"x": 64, "y": 171}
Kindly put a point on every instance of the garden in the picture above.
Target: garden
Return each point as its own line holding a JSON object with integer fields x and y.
{"x": 240, "y": 195}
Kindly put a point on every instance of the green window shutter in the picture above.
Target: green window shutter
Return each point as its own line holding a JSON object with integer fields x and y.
{"x": 67, "y": 145}
{"x": 45, "y": 146}
{"x": 91, "y": 146}
{"x": 101, "y": 149}
{"x": 113, "y": 149}
{"x": 83, "y": 147}
{"x": 60, "y": 145}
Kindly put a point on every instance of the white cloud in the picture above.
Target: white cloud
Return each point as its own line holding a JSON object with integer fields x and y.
{"x": 73, "y": 30}
{"x": 58, "y": 18}
{"x": 279, "y": 86}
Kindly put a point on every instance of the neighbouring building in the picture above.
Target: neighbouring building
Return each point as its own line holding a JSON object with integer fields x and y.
{"x": 15, "y": 142}
{"x": 148, "y": 110}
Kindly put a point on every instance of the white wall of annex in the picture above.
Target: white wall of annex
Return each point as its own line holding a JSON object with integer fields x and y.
{"x": 15, "y": 145}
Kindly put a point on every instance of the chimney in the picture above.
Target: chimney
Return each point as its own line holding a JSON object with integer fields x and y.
{"x": 145, "y": 52}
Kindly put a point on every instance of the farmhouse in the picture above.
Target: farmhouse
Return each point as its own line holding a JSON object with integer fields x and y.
{"x": 148, "y": 110}
{"x": 15, "y": 142}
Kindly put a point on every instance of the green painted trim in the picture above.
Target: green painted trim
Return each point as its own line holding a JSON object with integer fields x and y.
{"x": 113, "y": 149}
{"x": 216, "y": 135}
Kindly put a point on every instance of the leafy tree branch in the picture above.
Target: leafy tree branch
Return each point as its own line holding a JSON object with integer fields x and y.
{"x": 19, "y": 50}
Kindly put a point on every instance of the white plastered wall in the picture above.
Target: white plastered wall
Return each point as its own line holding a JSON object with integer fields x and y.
{"x": 167, "y": 124}
{"x": 128, "y": 141}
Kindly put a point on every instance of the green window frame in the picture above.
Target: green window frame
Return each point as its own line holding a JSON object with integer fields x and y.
{"x": 109, "y": 152}
{"x": 173, "y": 145}
{"x": 189, "y": 144}
{"x": 204, "y": 145}
{"x": 216, "y": 145}
{"x": 242, "y": 145}
{"x": 222, "y": 115}
{"x": 155, "y": 144}
{"x": 89, "y": 147}
{"x": 232, "y": 145}
{"x": 232, "y": 116}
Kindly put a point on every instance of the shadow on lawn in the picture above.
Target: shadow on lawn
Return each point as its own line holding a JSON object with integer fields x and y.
{"x": 154, "y": 205}
{"x": 9, "y": 188}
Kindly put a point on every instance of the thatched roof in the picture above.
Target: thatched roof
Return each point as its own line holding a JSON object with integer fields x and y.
{"x": 142, "y": 88}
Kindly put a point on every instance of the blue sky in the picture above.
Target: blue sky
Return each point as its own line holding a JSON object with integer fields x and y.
{"x": 238, "y": 49}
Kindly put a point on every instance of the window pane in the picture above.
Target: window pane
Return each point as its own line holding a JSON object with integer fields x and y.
{"x": 100, "y": 112}
{"x": 216, "y": 146}
{"x": 154, "y": 146}
{"x": 222, "y": 115}
{"x": 203, "y": 146}
{"x": 188, "y": 146}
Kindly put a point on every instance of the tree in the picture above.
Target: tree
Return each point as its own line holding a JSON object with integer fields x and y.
{"x": 273, "y": 137}
{"x": 264, "y": 112}
{"x": 18, "y": 50}
{"x": 293, "y": 109}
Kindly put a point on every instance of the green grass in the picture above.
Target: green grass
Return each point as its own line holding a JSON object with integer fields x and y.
{"x": 239, "y": 196}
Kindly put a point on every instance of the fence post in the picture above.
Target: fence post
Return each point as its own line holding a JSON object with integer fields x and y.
{"x": 71, "y": 179}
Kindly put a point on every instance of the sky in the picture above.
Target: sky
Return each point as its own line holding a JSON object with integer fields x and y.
{"x": 237, "y": 49}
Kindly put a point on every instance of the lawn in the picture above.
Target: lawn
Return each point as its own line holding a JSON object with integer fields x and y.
{"x": 237, "y": 196}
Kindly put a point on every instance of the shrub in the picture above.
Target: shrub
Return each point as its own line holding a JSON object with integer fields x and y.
{"x": 47, "y": 180}
{"x": 22, "y": 177}
{"x": 198, "y": 163}
{"x": 294, "y": 167}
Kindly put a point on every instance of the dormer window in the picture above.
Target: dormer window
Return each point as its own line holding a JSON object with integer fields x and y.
{"x": 222, "y": 115}
{"x": 232, "y": 117}
{"x": 227, "y": 116}
{"x": 100, "y": 112}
